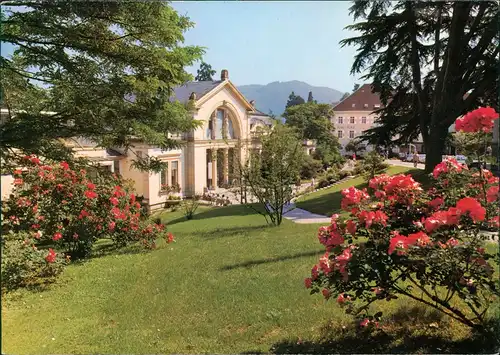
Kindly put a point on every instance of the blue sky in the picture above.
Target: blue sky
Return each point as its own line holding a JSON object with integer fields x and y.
{"x": 262, "y": 42}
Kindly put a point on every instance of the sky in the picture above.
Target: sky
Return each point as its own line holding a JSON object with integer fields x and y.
{"x": 262, "y": 42}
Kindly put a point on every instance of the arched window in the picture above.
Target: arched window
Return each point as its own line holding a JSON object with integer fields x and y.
{"x": 219, "y": 124}
{"x": 230, "y": 129}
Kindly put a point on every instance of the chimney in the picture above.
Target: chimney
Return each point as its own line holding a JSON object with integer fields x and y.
{"x": 252, "y": 102}
{"x": 192, "y": 96}
{"x": 224, "y": 75}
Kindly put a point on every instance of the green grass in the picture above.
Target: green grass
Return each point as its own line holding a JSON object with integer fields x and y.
{"x": 230, "y": 284}
{"x": 327, "y": 202}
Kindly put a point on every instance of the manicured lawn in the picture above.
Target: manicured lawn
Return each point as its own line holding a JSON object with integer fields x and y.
{"x": 230, "y": 284}
{"x": 327, "y": 202}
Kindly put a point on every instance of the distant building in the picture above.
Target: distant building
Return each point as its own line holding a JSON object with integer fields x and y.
{"x": 355, "y": 114}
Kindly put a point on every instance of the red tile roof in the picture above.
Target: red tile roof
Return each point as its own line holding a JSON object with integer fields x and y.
{"x": 363, "y": 100}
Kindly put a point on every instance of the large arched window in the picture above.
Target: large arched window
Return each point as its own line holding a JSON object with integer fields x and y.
{"x": 219, "y": 117}
{"x": 219, "y": 124}
{"x": 230, "y": 129}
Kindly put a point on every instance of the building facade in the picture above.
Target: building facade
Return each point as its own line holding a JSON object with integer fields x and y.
{"x": 355, "y": 114}
{"x": 206, "y": 160}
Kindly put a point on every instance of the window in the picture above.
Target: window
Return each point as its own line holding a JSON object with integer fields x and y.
{"x": 163, "y": 177}
{"x": 363, "y": 120}
{"x": 174, "y": 173}
{"x": 339, "y": 134}
{"x": 353, "y": 105}
{"x": 376, "y": 106}
{"x": 208, "y": 134}
{"x": 230, "y": 129}
{"x": 351, "y": 120}
{"x": 351, "y": 134}
{"x": 341, "y": 120}
{"x": 365, "y": 105}
{"x": 219, "y": 124}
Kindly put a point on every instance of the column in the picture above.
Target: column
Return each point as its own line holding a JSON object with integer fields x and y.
{"x": 214, "y": 168}
{"x": 226, "y": 165}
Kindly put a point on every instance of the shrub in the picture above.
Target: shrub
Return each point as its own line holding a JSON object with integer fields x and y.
{"x": 425, "y": 245}
{"x": 55, "y": 204}
{"x": 343, "y": 174}
{"x": 371, "y": 165}
{"x": 310, "y": 167}
{"x": 190, "y": 206}
{"x": 24, "y": 265}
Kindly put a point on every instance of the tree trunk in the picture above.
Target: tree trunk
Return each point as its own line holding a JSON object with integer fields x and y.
{"x": 434, "y": 147}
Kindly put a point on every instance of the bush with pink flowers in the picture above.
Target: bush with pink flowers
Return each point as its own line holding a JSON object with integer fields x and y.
{"x": 427, "y": 245}
{"x": 55, "y": 205}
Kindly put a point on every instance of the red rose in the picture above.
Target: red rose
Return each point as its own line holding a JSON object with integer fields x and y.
{"x": 473, "y": 207}
{"x": 90, "y": 194}
{"x": 51, "y": 256}
{"x": 308, "y": 282}
{"x": 57, "y": 236}
{"x": 64, "y": 165}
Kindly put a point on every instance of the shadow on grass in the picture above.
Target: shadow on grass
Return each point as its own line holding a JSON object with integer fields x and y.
{"x": 229, "y": 232}
{"x": 409, "y": 330}
{"x": 235, "y": 210}
{"x": 252, "y": 263}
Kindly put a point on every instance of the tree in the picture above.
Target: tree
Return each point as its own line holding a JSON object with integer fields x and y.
{"x": 430, "y": 62}
{"x": 373, "y": 164}
{"x": 355, "y": 146}
{"x": 205, "y": 72}
{"x": 356, "y": 87}
{"x": 271, "y": 174}
{"x": 310, "y": 97}
{"x": 105, "y": 72}
{"x": 312, "y": 121}
{"x": 294, "y": 100}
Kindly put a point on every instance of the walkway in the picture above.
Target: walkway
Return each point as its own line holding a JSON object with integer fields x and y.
{"x": 298, "y": 215}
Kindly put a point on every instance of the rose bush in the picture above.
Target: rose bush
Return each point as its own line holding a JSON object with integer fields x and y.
{"x": 24, "y": 265}
{"x": 57, "y": 206}
{"x": 427, "y": 245}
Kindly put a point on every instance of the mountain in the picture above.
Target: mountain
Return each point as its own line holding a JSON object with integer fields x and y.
{"x": 274, "y": 96}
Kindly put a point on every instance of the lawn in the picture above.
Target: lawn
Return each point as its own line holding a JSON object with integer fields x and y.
{"x": 229, "y": 284}
{"x": 327, "y": 202}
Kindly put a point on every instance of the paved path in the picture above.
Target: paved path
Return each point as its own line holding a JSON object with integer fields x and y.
{"x": 397, "y": 162}
{"x": 298, "y": 215}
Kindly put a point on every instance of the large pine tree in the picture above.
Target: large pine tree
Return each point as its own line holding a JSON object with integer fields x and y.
{"x": 103, "y": 71}
{"x": 431, "y": 62}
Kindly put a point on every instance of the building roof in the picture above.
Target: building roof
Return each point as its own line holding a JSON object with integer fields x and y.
{"x": 200, "y": 88}
{"x": 362, "y": 99}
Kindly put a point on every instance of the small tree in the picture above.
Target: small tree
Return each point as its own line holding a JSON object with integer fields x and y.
{"x": 355, "y": 146}
{"x": 310, "y": 97}
{"x": 373, "y": 164}
{"x": 271, "y": 174}
{"x": 205, "y": 72}
{"x": 190, "y": 206}
{"x": 294, "y": 100}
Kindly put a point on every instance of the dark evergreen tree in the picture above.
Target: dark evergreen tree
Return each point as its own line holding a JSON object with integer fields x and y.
{"x": 310, "y": 97}
{"x": 205, "y": 72}
{"x": 294, "y": 100}
{"x": 430, "y": 61}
